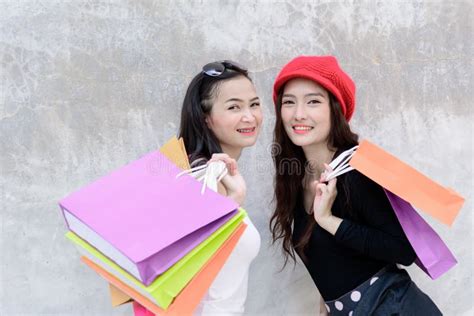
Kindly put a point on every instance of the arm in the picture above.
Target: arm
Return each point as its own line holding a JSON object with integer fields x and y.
{"x": 380, "y": 236}
{"x": 237, "y": 196}
{"x": 322, "y": 307}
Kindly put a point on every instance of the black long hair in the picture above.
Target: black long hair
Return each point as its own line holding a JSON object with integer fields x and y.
{"x": 289, "y": 184}
{"x": 200, "y": 141}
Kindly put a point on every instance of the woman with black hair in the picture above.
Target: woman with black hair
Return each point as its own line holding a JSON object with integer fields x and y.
{"x": 220, "y": 116}
{"x": 344, "y": 230}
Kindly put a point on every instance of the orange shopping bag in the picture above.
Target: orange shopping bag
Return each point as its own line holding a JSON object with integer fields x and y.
{"x": 404, "y": 181}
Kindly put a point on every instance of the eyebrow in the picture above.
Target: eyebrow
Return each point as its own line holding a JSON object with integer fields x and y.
{"x": 317, "y": 94}
{"x": 240, "y": 100}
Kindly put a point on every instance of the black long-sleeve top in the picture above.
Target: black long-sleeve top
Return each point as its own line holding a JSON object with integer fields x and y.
{"x": 368, "y": 238}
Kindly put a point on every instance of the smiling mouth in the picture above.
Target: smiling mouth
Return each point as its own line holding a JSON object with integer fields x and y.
{"x": 246, "y": 130}
{"x": 302, "y": 128}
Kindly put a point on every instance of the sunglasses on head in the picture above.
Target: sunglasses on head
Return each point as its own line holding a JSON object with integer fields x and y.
{"x": 217, "y": 68}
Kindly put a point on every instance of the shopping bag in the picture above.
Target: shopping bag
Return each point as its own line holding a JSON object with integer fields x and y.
{"x": 118, "y": 297}
{"x": 143, "y": 217}
{"x": 187, "y": 301}
{"x": 434, "y": 257}
{"x": 399, "y": 178}
{"x": 175, "y": 151}
{"x": 167, "y": 286}
{"x": 139, "y": 310}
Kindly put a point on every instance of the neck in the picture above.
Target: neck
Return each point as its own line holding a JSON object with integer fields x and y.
{"x": 233, "y": 152}
{"x": 317, "y": 155}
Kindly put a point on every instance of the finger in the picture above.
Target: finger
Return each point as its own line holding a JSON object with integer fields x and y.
{"x": 220, "y": 156}
{"x": 328, "y": 167}
{"x": 325, "y": 173}
{"x": 230, "y": 168}
{"x": 322, "y": 188}
{"x": 322, "y": 178}
{"x": 235, "y": 167}
{"x": 332, "y": 184}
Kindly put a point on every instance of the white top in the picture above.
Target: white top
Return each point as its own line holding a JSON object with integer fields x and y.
{"x": 228, "y": 292}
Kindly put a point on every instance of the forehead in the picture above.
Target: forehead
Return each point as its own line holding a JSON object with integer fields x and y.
{"x": 239, "y": 87}
{"x": 303, "y": 86}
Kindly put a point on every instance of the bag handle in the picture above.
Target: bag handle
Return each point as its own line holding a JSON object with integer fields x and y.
{"x": 340, "y": 164}
{"x": 210, "y": 174}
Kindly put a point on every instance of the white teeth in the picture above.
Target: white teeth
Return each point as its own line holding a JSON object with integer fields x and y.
{"x": 302, "y": 128}
{"x": 248, "y": 130}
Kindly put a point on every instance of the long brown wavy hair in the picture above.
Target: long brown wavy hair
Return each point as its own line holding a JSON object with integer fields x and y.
{"x": 291, "y": 166}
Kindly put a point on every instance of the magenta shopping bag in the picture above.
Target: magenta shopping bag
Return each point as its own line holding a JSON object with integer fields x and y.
{"x": 139, "y": 310}
{"x": 434, "y": 257}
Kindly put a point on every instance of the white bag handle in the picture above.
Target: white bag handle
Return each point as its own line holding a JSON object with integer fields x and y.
{"x": 210, "y": 174}
{"x": 340, "y": 165}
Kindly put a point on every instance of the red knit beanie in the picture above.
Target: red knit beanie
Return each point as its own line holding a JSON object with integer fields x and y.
{"x": 325, "y": 71}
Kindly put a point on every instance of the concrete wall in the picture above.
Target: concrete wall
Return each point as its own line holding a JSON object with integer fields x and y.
{"x": 87, "y": 86}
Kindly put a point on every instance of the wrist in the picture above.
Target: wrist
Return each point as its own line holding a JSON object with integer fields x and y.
{"x": 330, "y": 223}
{"x": 323, "y": 218}
{"x": 238, "y": 196}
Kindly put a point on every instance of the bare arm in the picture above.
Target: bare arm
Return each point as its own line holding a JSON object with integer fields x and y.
{"x": 322, "y": 307}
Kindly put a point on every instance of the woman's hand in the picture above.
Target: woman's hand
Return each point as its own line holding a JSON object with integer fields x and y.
{"x": 233, "y": 182}
{"x": 325, "y": 194}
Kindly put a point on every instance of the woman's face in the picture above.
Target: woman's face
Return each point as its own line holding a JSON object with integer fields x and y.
{"x": 305, "y": 112}
{"x": 236, "y": 116}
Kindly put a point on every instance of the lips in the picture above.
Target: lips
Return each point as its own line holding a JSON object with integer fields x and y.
{"x": 301, "y": 129}
{"x": 246, "y": 130}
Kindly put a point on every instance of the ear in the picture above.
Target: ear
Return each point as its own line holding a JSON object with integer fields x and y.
{"x": 208, "y": 122}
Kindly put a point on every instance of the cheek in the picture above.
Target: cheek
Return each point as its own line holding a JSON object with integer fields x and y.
{"x": 220, "y": 120}
{"x": 285, "y": 116}
{"x": 259, "y": 116}
{"x": 320, "y": 115}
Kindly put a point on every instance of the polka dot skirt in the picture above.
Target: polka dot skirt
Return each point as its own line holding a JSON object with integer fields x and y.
{"x": 346, "y": 304}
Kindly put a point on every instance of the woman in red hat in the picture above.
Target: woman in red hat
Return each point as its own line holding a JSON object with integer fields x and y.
{"x": 344, "y": 230}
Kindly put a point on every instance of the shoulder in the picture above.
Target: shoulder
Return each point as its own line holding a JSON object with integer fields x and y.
{"x": 357, "y": 181}
{"x": 362, "y": 189}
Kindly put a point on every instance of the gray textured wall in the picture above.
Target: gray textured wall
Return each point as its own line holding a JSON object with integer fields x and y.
{"x": 87, "y": 86}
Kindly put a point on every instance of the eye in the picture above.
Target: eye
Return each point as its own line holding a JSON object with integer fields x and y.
{"x": 255, "y": 104}
{"x": 233, "y": 107}
{"x": 288, "y": 102}
{"x": 314, "y": 101}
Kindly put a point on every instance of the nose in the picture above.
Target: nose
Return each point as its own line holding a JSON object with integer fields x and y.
{"x": 300, "y": 112}
{"x": 247, "y": 116}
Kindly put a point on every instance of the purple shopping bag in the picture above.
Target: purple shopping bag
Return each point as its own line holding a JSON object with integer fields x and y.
{"x": 434, "y": 257}
{"x": 143, "y": 218}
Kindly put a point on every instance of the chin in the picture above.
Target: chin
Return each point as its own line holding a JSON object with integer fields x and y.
{"x": 302, "y": 141}
{"x": 301, "y": 144}
{"x": 247, "y": 142}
